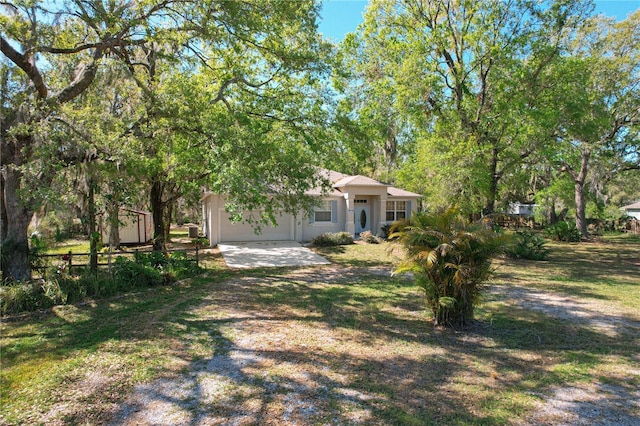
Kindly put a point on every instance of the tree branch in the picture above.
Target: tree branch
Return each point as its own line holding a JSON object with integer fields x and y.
{"x": 23, "y": 62}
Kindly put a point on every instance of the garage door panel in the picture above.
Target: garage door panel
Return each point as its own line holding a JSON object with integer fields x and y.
{"x": 241, "y": 231}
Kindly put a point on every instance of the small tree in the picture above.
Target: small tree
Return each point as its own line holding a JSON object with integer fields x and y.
{"x": 450, "y": 259}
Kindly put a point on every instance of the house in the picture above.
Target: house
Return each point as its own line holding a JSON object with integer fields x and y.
{"x": 521, "y": 209}
{"x": 632, "y": 210}
{"x": 354, "y": 204}
{"x": 136, "y": 227}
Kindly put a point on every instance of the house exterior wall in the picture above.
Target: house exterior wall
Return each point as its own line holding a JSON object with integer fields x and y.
{"x": 633, "y": 213}
{"x": 219, "y": 228}
{"x": 301, "y": 227}
{"x": 310, "y": 229}
{"x": 135, "y": 227}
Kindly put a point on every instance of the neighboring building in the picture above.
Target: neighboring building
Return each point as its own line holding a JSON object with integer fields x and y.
{"x": 136, "y": 227}
{"x": 354, "y": 204}
{"x": 632, "y": 210}
{"x": 521, "y": 209}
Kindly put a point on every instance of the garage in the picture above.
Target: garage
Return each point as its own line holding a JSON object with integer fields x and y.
{"x": 241, "y": 231}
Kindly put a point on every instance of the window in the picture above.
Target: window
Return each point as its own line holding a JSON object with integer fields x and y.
{"x": 322, "y": 213}
{"x": 396, "y": 210}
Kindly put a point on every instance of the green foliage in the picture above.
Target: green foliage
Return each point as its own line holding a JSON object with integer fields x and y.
{"x": 29, "y": 296}
{"x": 563, "y": 231}
{"x": 37, "y": 247}
{"x": 332, "y": 239}
{"x": 149, "y": 270}
{"x": 200, "y": 241}
{"x": 385, "y": 230}
{"x": 450, "y": 259}
{"x": 132, "y": 274}
{"x": 527, "y": 245}
{"x": 369, "y": 238}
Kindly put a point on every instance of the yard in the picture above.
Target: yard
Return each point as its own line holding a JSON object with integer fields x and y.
{"x": 557, "y": 342}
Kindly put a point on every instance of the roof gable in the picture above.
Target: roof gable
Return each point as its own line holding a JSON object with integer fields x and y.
{"x": 341, "y": 181}
{"x": 357, "y": 180}
{"x": 634, "y": 206}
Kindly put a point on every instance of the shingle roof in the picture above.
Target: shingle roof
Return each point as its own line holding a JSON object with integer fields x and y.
{"x": 341, "y": 180}
{"x": 633, "y": 206}
{"x": 397, "y": 192}
{"x": 357, "y": 180}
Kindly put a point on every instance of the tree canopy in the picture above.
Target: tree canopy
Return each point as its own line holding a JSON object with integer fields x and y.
{"x": 477, "y": 104}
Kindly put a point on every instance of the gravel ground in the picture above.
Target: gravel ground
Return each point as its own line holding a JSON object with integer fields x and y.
{"x": 230, "y": 388}
{"x": 588, "y": 404}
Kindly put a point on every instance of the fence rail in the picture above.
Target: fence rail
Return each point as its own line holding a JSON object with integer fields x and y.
{"x": 70, "y": 256}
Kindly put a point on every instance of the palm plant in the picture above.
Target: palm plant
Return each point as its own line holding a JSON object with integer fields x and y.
{"x": 450, "y": 259}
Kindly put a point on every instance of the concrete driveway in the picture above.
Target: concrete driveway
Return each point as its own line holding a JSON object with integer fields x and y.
{"x": 268, "y": 253}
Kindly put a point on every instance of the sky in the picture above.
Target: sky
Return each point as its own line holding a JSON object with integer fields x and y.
{"x": 342, "y": 16}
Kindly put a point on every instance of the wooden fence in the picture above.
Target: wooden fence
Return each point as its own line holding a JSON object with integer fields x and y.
{"x": 72, "y": 260}
{"x": 633, "y": 226}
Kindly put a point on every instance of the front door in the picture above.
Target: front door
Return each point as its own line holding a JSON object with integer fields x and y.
{"x": 363, "y": 221}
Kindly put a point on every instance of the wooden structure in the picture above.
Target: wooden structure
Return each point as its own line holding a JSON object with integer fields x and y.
{"x": 136, "y": 227}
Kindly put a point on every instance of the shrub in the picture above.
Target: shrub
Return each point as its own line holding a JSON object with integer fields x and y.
{"x": 131, "y": 274}
{"x": 332, "y": 239}
{"x": 563, "y": 231}
{"x": 149, "y": 270}
{"x": 527, "y": 245}
{"x": 385, "y": 230}
{"x": 450, "y": 259}
{"x": 369, "y": 238}
{"x": 200, "y": 241}
{"x": 29, "y": 296}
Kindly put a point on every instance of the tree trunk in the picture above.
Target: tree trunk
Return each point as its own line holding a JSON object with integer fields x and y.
{"x": 113, "y": 209}
{"x": 4, "y": 219}
{"x": 157, "y": 211}
{"x": 93, "y": 235}
{"x": 552, "y": 217}
{"x": 490, "y": 205}
{"x": 167, "y": 221}
{"x": 15, "y": 243}
{"x": 581, "y": 220}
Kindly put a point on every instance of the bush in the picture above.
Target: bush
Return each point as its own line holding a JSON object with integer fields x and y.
{"x": 563, "y": 231}
{"x": 332, "y": 239}
{"x": 527, "y": 245}
{"x": 30, "y": 296}
{"x": 131, "y": 274}
{"x": 148, "y": 270}
{"x": 369, "y": 238}
{"x": 385, "y": 230}
{"x": 450, "y": 259}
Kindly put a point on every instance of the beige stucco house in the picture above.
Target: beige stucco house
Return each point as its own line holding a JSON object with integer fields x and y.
{"x": 354, "y": 204}
{"x": 632, "y": 210}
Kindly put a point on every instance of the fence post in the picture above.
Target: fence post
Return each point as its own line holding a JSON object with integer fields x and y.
{"x": 70, "y": 260}
{"x": 135, "y": 256}
{"x": 196, "y": 256}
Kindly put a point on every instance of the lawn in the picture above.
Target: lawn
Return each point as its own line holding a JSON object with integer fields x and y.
{"x": 339, "y": 344}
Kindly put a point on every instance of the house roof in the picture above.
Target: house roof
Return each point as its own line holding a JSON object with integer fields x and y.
{"x": 339, "y": 181}
{"x": 397, "y": 192}
{"x": 634, "y": 206}
{"x": 357, "y": 180}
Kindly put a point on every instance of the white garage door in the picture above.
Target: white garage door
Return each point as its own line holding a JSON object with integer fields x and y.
{"x": 229, "y": 231}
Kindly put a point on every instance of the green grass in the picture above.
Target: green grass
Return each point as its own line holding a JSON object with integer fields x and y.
{"x": 359, "y": 346}
{"x": 362, "y": 255}
{"x": 74, "y": 246}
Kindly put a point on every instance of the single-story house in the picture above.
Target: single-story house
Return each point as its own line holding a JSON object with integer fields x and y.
{"x": 136, "y": 227}
{"x": 354, "y": 204}
{"x": 521, "y": 209}
{"x": 632, "y": 210}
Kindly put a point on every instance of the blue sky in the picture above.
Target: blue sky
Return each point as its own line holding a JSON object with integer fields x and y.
{"x": 342, "y": 16}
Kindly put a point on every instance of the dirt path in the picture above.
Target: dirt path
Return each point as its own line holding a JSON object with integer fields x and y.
{"x": 232, "y": 387}
{"x": 589, "y": 403}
